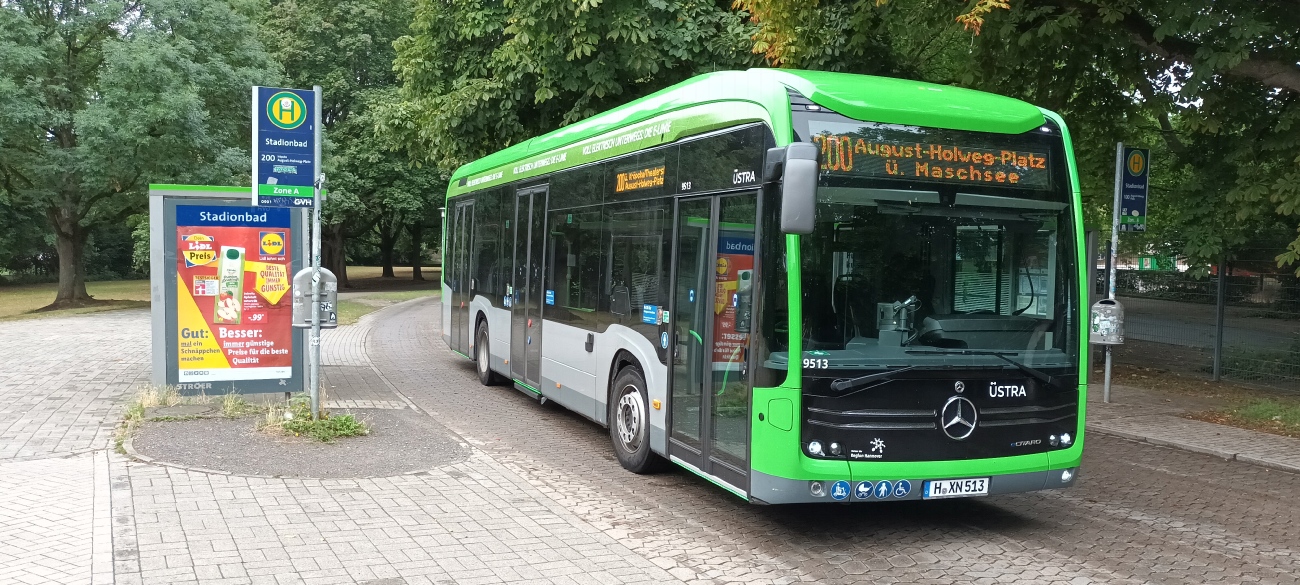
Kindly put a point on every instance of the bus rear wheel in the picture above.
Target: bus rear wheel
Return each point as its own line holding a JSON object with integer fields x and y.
{"x": 629, "y": 423}
{"x": 482, "y": 357}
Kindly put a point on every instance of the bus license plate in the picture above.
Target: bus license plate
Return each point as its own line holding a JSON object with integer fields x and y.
{"x": 956, "y": 488}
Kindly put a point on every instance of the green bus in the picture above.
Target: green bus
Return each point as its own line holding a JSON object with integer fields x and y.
{"x": 801, "y": 286}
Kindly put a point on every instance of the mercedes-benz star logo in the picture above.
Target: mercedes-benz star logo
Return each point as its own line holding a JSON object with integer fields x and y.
{"x": 958, "y": 418}
{"x": 959, "y": 386}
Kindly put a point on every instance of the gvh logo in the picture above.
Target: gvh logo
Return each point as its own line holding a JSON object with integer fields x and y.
{"x": 1006, "y": 391}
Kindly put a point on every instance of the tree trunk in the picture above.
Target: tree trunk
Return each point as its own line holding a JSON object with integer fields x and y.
{"x": 332, "y": 253}
{"x": 71, "y": 246}
{"x": 417, "y": 250}
{"x": 387, "y": 241}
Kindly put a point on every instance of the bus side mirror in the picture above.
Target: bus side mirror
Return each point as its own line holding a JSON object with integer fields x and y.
{"x": 799, "y": 188}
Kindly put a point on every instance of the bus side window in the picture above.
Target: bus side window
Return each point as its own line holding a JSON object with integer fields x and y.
{"x": 638, "y": 247}
{"x": 487, "y": 245}
{"x": 573, "y": 266}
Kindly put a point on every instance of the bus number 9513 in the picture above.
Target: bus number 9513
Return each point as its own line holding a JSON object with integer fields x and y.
{"x": 816, "y": 364}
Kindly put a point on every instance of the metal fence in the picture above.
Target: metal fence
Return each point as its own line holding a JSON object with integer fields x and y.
{"x": 1242, "y": 327}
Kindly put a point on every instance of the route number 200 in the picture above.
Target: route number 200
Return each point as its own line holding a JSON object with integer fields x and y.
{"x": 816, "y": 364}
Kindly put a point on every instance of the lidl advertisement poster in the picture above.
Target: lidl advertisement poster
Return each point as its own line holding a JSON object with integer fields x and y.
{"x": 731, "y": 301}
{"x": 234, "y": 310}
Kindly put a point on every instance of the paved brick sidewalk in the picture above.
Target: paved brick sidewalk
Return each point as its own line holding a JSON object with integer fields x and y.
{"x": 472, "y": 522}
{"x": 62, "y": 385}
{"x": 54, "y": 520}
{"x": 63, "y": 380}
{"x": 1133, "y": 414}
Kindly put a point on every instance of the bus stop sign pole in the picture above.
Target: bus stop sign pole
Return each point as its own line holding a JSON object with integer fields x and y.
{"x": 1114, "y": 251}
{"x": 319, "y": 183}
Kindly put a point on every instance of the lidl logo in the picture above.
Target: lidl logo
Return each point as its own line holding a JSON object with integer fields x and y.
{"x": 1136, "y": 163}
{"x": 198, "y": 250}
{"x": 272, "y": 243}
{"x": 286, "y": 110}
{"x": 724, "y": 266}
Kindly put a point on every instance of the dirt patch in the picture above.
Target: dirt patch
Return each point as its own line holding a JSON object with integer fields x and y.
{"x": 400, "y": 441}
{"x": 1224, "y": 403}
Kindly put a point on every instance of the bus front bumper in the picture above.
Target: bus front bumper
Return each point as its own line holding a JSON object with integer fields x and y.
{"x": 769, "y": 489}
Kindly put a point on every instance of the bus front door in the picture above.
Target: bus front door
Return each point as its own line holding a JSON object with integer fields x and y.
{"x": 713, "y": 268}
{"x": 526, "y": 286}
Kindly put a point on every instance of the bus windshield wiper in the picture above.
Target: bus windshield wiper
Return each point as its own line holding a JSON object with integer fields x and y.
{"x": 850, "y": 383}
{"x": 1036, "y": 373}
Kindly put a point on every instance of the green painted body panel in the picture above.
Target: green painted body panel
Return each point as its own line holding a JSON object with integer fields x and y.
{"x": 729, "y": 98}
{"x": 913, "y": 103}
{"x": 208, "y": 188}
{"x": 662, "y": 129}
{"x": 1073, "y": 456}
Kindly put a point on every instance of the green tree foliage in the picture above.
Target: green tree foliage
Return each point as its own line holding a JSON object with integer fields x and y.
{"x": 98, "y": 98}
{"x": 347, "y": 48}
{"x": 1211, "y": 85}
{"x": 478, "y": 76}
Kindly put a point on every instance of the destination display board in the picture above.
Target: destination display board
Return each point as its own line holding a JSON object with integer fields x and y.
{"x": 890, "y": 152}
{"x": 639, "y": 178}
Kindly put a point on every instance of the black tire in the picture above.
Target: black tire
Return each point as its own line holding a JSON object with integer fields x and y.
{"x": 481, "y": 357}
{"x": 629, "y": 423}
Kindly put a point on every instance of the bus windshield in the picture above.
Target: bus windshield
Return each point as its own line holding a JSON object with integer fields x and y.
{"x": 937, "y": 249}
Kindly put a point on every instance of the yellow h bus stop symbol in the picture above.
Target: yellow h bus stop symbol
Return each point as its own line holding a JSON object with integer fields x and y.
{"x": 286, "y": 110}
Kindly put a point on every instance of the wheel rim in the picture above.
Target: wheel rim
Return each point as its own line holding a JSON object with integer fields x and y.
{"x": 482, "y": 354}
{"x": 631, "y": 413}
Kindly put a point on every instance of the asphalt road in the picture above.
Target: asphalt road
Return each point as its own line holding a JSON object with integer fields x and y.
{"x": 1193, "y": 324}
{"x": 1140, "y": 513}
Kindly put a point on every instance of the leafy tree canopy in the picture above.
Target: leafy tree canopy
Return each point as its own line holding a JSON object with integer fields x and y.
{"x": 99, "y": 98}
{"x": 1211, "y": 85}
{"x": 479, "y": 76}
{"x": 346, "y": 47}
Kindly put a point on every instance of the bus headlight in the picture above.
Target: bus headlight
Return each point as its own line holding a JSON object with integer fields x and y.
{"x": 835, "y": 449}
{"x": 1066, "y": 439}
{"x": 1053, "y": 441}
{"x": 815, "y": 447}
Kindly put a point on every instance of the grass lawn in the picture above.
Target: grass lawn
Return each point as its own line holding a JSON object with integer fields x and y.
{"x": 369, "y": 276}
{"x": 19, "y": 302}
{"x": 1279, "y": 415}
{"x": 22, "y": 301}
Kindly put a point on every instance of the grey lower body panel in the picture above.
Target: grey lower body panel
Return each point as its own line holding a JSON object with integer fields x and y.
{"x": 566, "y": 396}
{"x": 770, "y": 489}
{"x": 498, "y": 364}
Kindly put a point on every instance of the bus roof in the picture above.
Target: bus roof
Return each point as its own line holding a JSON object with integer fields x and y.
{"x": 862, "y": 97}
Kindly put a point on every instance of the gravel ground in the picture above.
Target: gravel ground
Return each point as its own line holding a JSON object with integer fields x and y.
{"x": 400, "y": 441}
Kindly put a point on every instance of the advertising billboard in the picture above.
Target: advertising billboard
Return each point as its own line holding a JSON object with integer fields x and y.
{"x": 223, "y": 272}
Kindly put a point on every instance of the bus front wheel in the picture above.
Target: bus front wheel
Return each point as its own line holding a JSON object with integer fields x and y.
{"x": 629, "y": 423}
{"x": 482, "y": 356}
